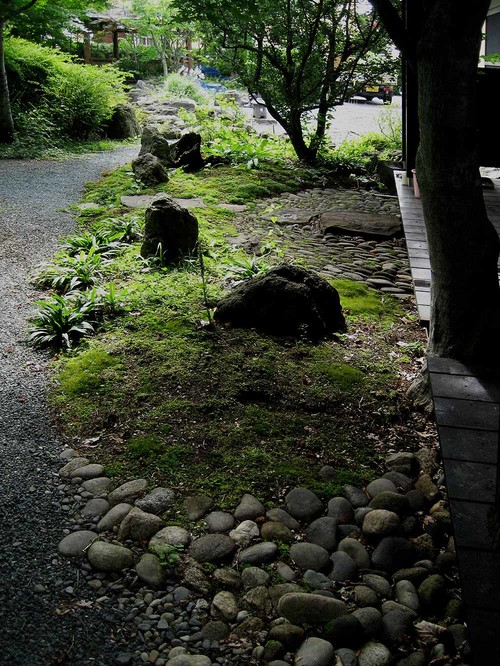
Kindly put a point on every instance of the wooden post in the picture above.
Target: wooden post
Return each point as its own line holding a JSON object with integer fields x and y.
{"x": 116, "y": 50}
{"x": 86, "y": 48}
{"x": 189, "y": 49}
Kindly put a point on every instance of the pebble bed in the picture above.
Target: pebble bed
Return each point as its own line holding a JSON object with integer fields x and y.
{"x": 368, "y": 579}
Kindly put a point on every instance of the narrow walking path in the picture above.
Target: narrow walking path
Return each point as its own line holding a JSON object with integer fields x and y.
{"x": 42, "y": 621}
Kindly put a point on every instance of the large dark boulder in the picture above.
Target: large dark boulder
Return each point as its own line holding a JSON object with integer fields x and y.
{"x": 149, "y": 169}
{"x": 154, "y": 142}
{"x": 186, "y": 152}
{"x": 286, "y": 301}
{"x": 172, "y": 226}
{"x": 123, "y": 124}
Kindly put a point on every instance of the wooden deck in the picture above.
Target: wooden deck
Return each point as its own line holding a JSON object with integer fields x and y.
{"x": 467, "y": 409}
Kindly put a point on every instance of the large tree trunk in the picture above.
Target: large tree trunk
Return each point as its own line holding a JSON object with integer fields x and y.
{"x": 6, "y": 122}
{"x": 463, "y": 244}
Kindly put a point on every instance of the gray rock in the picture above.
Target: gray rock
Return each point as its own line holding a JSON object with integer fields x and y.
{"x": 289, "y": 635}
{"x": 303, "y": 504}
{"x": 261, "y": 553}
{"x": 150, "y": 571}
{"x": 245, "y": 533}
{"x": 128, "y": 492}
{"x": 365, "y": 596}
{"x": 378, "y": 583}
{"x": 397, "y": 627}
{"x": 219, "y": 521}
{"x": 414, "y": 659}
{"x": 113, "y": 517}
{"x": 171, "y": 226}
{"x": 278, "y": 591}
{"x": 189, "y": 660}
{"x": 415, "y": 574}
{"x": 153, "y": 142}
{"x": 90, "y": 471}
{"x": 98, "y": 487}
{"x": 389, "y": 606}
{"x": 225, "y": 606}
{"x": 316, "y": 580}
{"x": 374, "y": 654}
{"x": 402, "y": 482}
{"x": 359, "y": 514}
{"x": 139, "y": 525}
{"x": 274, "y": 531}
{"x": 315, "y": 652}
{"x": 227, "y": 578}
{"x": 109, "y": 557}
{"x": 287, "y": 300}
{"x": 195, "y": 579}
{"x": 393, "y": 553}
{"x": 123, "y": 124}
{"x": 432, "y": 592}
{"x": 197, "y": 506}
{"x": 359, "y": 223}
{"x": 344, "y": 568}
{"x": 310, "y": 556}
{"x": 68, "y": 454}
{"x": 327, "y": 473}
{"x": 416, "y": 500}
{"x": 215, "y": 630}
{"x": 301, "y": 608}
{"x": 74, "y": 544}
{"x": 281, "y": 516}
{"x": 345, "y": 631}
{"x": 347, "y": 657}
{"x": 390, "y": 502}
{"x": 157, "y": 501}
{"x": 352, "y": 531}
{"x": 94, "y": 508}
{"x": 406, "y": 594}
{"x": 355, "y": 496}
{"x": 258, "y": 599}
{"x": 249, "y": 508}
{"x": 253, "y": 577}
{"x": 285, "y": 572}
{"x": 356, "y": 551}
{"x": 340, "y": 510}
{"x": 380, "y": 485}
{"x": 380, "y": 523}
{"x": 212, "y": 548}
{"x": 70, "y": 466}
{"x": 405, "y": 463}
{"x": 323, "y": 532}
{"x": 370, "y": 619}
{"x": 149, "y": 169}
{"x": 427, "y": 487}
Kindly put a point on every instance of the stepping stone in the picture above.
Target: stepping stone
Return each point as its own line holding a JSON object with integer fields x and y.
{"x": 356, "y": 223}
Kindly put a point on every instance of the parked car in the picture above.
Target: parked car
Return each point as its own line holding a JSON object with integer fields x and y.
{"x": 383, "y": 91}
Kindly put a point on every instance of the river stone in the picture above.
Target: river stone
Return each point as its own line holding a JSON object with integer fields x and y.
{"x": 370, "y": 619}
{"x": 245, "y": 533}
{"x": 315, "y": 652}
{"x": 344, "y": 567}
{"x": 402, "y": 482}
{"x": 414, "y": 659}
{"x": 249, "y": 508}
{"x": 374, "y": 654}
{"x": 75, "y": 543}
{"x": 139, "y": 525}
{"x": 289, "y": 635}
{"x": 254, "y": 576}
{"x": 90, "y": 471}
{"x": 355, "y": 496}
{"x": 287, "y": 300}
{"x": 309, "y": 556}
{"x": 172, "y": 226}
{"x": 316, "y": 580}
{"x": 415, "y": 574}
{"x": 70, "y": 466}
{"x": 356, "y": 551}
{"x": 212, "y": 548}
{"x": 190, "y": 660}
{"x": 397, "y": 627}
{"x": 427, "y": 487}
{"x": 225, "y": 606}
{"x": 274, "y": 531}
{"x": 197, "y": 506}
{"x": 359, "y": 514}
{"x": 250, "y": 626}
{"x": 195, "y": 579}
{"x": 281, "y": 516}
{"x": 416, "y": 500}
{"x": 323, "y": 532}
{"x": 372, "y": 226}
{"x": 215, "y": 630}
{"x": 149, "y": 169}
{"x": 279, "y": 590}
{"x": 259, "y": 600}
{"x": 109, "y": 557}
{"x": 406, "y": 463}
{"x": 227, "y": 578}
{"x": 219, "y": 521}
{"x": 380, "y": 523}
{"x": 340, "y": 510}
{"x": 128, "y": 492}
{"x": 285, "y": 572}
{"x": 432, "y": 592}
{"x": 303, "y": 504}
{"x": 378, "y": 583}
{"x": 393, "y": 553}
{"x": 390, "y": 605}
{"x": 365, "y": 596}
{"x": 94, "y": 508}
{"x": 327, "y": 473}
{"x": 390, "y": 502}
{"x": 406, "y": 594}
{"x": 98, "y": 487}
{"x": 344, "y": 631}
{"x": 378, "y": 486}
{"x": 261, "y": 553}
{"x": 347, "y": 657}
{"x": 113, "y": 517}
{"x": 150, "y": 571}
{"x": 157, "y": 501}
{"x": 68, "y": 454}
{"x": 302, "y": 608}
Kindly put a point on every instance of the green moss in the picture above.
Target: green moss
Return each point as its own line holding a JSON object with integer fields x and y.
{"x": 362, "y": 301}
{"x": 87, "y": 372}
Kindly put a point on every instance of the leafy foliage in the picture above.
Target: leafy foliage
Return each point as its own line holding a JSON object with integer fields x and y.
{"x": 176, "y": 85}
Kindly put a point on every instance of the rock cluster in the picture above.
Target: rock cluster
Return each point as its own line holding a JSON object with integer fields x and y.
{"x": 365, "y": 579}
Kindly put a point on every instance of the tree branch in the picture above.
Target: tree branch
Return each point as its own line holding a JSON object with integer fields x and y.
{"x": 395, "y": 27}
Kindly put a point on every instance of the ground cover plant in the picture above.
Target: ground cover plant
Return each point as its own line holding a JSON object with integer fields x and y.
{"x": 159, "y": 393}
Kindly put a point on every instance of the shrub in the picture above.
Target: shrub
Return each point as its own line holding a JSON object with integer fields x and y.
{"x": 176, "y": 85}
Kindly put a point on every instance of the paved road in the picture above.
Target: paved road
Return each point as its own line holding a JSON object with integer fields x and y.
{"x": 39, "y": 621}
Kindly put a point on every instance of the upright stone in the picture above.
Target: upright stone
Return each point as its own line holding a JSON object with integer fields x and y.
{"x": 170, "y": 226}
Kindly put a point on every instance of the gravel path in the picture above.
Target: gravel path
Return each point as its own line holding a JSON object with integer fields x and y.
{"x": 42, "y": 619}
